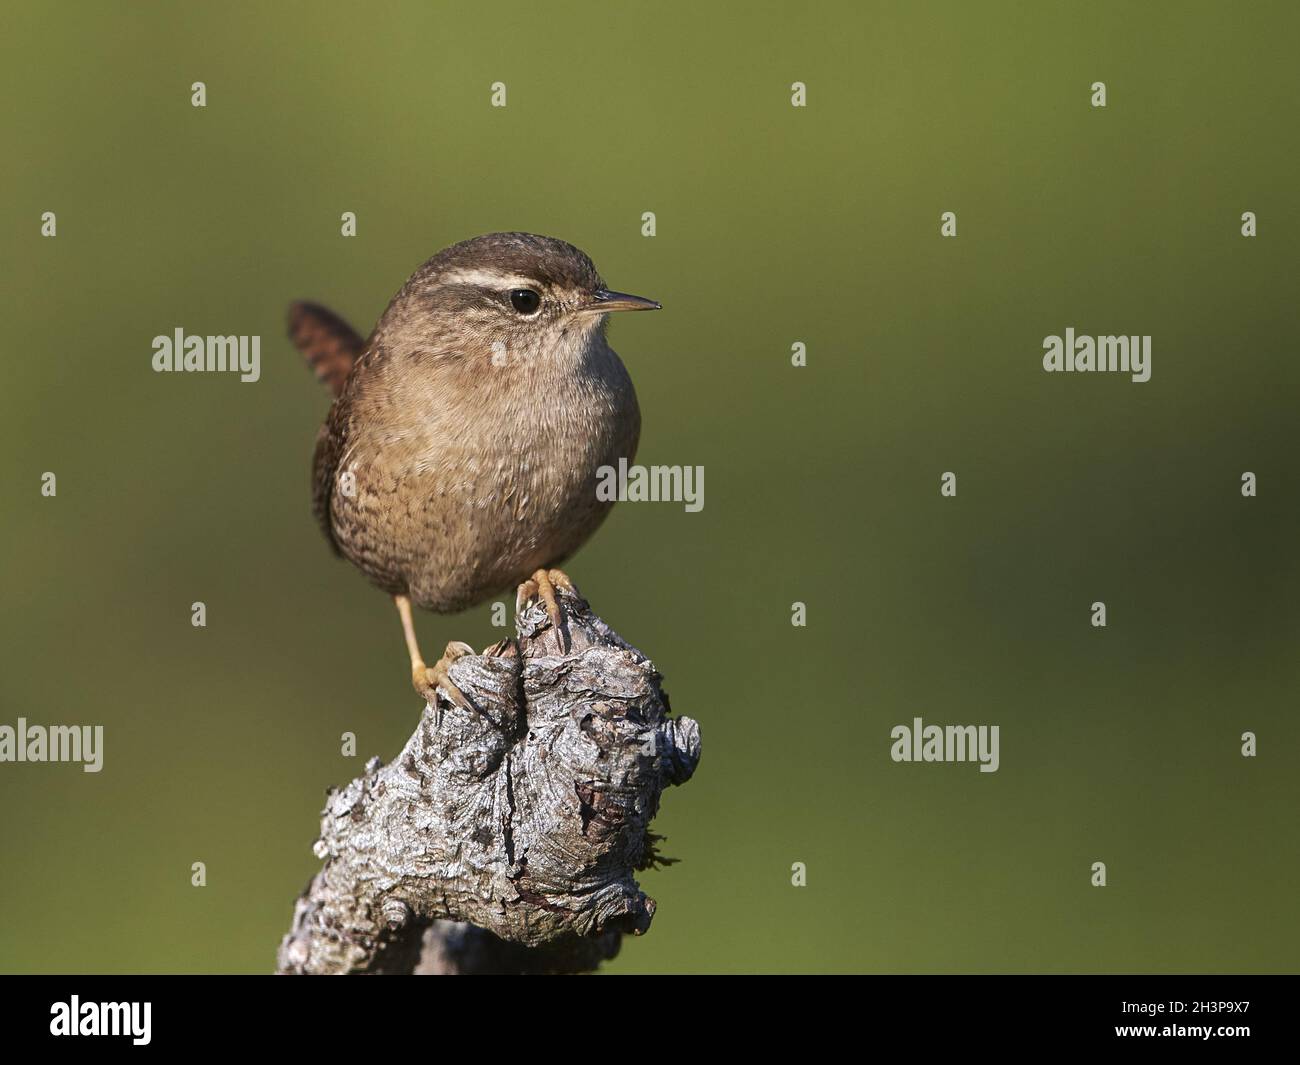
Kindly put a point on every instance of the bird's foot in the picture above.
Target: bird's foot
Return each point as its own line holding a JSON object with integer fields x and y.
{"x": 429, "y": 680}
{"x": 542, "y": 584}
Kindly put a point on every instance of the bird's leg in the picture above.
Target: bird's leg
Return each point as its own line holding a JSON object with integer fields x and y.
{"x": 429, "y": 678}
{"x": 543, "y": 584}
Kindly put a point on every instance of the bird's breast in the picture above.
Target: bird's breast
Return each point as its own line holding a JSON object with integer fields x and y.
{"x": 464, "y": 499}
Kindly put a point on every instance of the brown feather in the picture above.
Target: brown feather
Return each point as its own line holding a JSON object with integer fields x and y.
{"x": 324, "y": 464}
{"x": 329, "y": 345}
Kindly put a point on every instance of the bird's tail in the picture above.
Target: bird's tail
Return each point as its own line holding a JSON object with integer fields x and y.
{"x": 330, "y": 346}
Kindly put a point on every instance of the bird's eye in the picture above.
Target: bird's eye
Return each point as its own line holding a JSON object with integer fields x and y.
{"x": 525, "y": 300}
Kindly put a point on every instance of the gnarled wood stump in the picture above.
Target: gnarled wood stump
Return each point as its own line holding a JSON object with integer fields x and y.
{"x": 506, "y": 837}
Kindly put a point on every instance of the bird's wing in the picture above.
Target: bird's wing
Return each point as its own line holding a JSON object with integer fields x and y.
{"x": 329, "y": 448}
{"x": 329, "y": 345}
{"x": 331, "y": 348}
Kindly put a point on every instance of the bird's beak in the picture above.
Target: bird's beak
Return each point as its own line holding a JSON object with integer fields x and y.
{"x": 604, "y": 301}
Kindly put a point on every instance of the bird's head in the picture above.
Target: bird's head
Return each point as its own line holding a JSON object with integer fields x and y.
{"x": 504, "y": 297}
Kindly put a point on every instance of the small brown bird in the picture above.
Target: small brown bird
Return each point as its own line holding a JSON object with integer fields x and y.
{"x": 460, "y": 456}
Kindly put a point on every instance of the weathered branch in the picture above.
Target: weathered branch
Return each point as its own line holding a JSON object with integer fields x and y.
{"x": 503, "y": 838}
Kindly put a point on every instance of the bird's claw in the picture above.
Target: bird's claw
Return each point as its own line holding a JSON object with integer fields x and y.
{"x": 429, "y": 680}
{"x": 542, "y": 585}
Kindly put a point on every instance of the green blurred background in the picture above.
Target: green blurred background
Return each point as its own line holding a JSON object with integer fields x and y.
{"x": 775, "y": 225}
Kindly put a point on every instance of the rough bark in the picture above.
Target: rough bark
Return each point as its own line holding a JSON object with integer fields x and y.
{"x": 503, "y": 838}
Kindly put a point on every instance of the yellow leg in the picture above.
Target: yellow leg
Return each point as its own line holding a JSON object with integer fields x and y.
{"x": 427, "y": 679}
